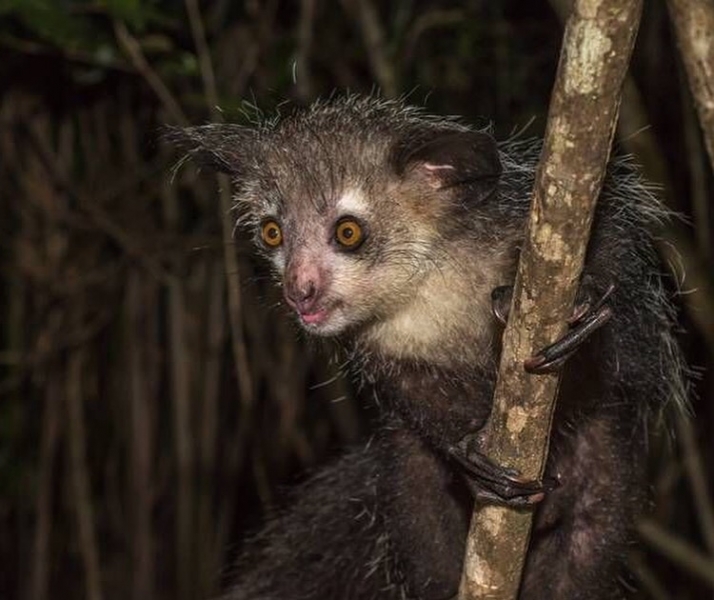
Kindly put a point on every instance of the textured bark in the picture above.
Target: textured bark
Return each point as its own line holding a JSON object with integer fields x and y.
{"x": 596, "y": 49}
{"x": 694, "y": 27}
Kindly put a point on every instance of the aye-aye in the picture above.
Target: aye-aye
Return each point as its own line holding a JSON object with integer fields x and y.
{"x": 398, "y": 233}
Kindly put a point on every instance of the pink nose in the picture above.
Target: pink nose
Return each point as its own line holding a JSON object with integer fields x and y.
{"x": 301, "y": 296}
{"x": 303, "y": 286}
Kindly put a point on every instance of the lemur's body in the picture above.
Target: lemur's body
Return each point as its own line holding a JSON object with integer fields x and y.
{"x": 390, "y": 229}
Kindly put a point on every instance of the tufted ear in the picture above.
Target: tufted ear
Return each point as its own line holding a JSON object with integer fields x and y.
{"x": 453, "y": 158}
{"x": 222, "y": 147}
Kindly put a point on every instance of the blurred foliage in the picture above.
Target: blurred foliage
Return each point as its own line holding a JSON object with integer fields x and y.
{"x": 136, "y": 447}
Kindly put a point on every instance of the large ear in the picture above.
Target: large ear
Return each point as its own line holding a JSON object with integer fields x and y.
{"x": 222, "y": 147}
{"x": 453, "y": 158}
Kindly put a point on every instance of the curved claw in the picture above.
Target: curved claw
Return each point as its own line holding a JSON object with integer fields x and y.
{"x": 552, "y": 357}
{"x": 587, "y": 317}
{"x": 494, "y": 484}
{"x": 585, "y": 308}
{"x": 501, "y": 302}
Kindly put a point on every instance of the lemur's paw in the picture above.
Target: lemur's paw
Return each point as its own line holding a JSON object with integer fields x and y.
{"x": 588, "y": 316}
{"x": 494, "y": 484}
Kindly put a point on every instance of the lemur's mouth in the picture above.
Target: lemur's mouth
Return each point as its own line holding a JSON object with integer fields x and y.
{"x": 315, "y": 317}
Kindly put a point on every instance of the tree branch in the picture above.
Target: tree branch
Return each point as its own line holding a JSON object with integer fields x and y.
{"x": 596, "y": 48}
{"x": 131, "y": 46}
{"x": 694, "y": 27}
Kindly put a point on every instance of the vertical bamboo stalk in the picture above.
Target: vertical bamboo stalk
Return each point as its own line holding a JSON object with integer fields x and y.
{"x": 303, "y": 52}
{"x": 39, "y": 573}
{"x": 79, "y": 474}
{"x": 140, "y": 447}
{"x": 180, "y": 368}
{"x": 210, "y": 540}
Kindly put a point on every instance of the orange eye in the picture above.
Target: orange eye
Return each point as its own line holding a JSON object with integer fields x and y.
{"x": 348, "y": 234}
{"x": 271, "y": 234}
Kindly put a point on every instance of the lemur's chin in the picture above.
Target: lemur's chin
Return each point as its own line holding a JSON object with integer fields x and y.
{"x": 324, "y": 321}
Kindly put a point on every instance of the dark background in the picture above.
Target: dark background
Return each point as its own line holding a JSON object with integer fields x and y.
{"x": 143, "y": 431}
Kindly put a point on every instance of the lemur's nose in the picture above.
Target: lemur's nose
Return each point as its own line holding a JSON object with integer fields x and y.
{"x": 302, "y": 287}
{"x": 301, "y": 297}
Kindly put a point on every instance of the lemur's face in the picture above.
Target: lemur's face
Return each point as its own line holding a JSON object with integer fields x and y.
{"x": 346, "y": 260}
{"x": 353, "y": 203}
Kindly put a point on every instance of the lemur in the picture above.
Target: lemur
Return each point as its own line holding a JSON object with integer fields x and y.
{"x": 398, "y": 233}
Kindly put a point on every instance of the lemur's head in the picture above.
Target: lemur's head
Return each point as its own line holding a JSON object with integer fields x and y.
{"x": 352, "y": 201}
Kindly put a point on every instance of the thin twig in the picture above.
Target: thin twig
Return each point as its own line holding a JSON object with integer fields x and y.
{"x": 694, "y": 28}
{"x": 376, "y": 46}
{"x": 303, "y": 78}
{"x": 433, "y": 19}
{"x": 209, "y": 537}
{"x": 39, "y": 577}
{"x": 136, "y": 56}
{"x": 697, "y": 480}
{"x": 141, "y": 436}
{"x": 204, "y": 56}
{"x": 678, "y": 551}
{"x": 82, "y": 493}
{"x": 180, "y": 365}
{"x": 702, "y": 205}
